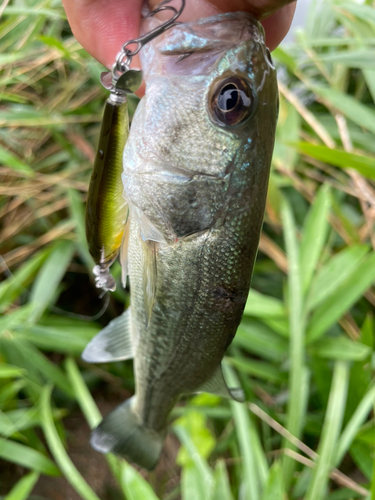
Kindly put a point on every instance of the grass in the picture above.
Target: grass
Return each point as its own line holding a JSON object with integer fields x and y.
{"x": 305, "y": 350}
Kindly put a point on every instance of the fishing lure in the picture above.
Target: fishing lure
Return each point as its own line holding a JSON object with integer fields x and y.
{"x": 106, "y": 209}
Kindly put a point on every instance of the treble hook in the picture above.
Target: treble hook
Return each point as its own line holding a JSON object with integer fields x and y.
{"x": 125, "y": 56}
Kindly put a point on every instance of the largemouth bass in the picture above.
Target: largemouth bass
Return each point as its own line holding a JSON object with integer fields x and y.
{"x": 196, "y": 169}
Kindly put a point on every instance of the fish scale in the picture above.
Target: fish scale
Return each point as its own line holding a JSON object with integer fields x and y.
{"x": 196, "y": 189}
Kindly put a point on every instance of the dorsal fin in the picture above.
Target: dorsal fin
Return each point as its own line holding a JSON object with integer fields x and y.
{"x": 113, "y": 343}
{"x": 217, "y": 385}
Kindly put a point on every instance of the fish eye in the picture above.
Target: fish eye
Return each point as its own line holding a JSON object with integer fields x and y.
{"x": 232, "y": 101}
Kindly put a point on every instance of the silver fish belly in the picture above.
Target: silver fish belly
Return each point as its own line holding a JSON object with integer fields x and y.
{"x": 196, "y": 168}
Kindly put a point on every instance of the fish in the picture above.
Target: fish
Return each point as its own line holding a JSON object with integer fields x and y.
{"x": 195, "y": 175}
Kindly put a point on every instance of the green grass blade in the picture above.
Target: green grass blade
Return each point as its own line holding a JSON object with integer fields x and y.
{"x": 24, "y": 487}
{"x": 90, "y": 411}
{"x": 49, "y": 278}
{"x": 359, "y": 113}
{"x": 331, "y": 276}
{"x": 274, "y": 488}
{"x": 295, "y": 415}
{"x": 352, "y": 427}
{"x": 258, "y": 339}
{"x": 10, "y": 160}
{"x": 364, "y": 164}
{"x": 343, "y": 299}
{"x": 32, "y": 358}
{"x": 250, "y": 472}
{"x": 58, "y": 451}
{"x": 10, "y": 371}
{"x": 69, "y": 339}
{"x": 77, "y": 210}
{"x": 259, "y": 305}
{"x": 82, "y": 394}
{"x": 340, "y": 348}
{"x": 330, "y": 432}
{"x": 27, "y": 457}
{"x": 196, "y": 467}
{"x": 135, "y": 486}
{"x": 222, "y": 487}
{"x": 12, "y": 287}
{"x": 314, "y": 235}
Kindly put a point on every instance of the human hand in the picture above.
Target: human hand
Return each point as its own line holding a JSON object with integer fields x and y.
{"x": 102, "y": 27}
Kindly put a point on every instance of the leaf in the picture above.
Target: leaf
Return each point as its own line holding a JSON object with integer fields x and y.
{"x": 360, "y": 114}
{"x": 197, "y": 467}
{"x": 314, "y": 235}
{"x": 331, "y": 276}
{"x": 330, "y": 432}
{"x": 362, "y": 457}
{"x": 13, "y": 286}
{"x": 352, "y": 427}
{"x": 340, "y": 348}
{"x": 82, "y": 394}
{"x": 8, "y": 159}
{"x": 27, "y": 457}
{"x": 364, "y": 164}
{"x": 297, "y": 333}
{"x": 32, "y": 359}
{"x": 67, "y": 340}
{"x": 222, "y": 486}
{"x": 259, "y": 369}
{"x": 58, "y": 451}
{"x": 12, "y": 422}
{"x": 261, "y": 340}
{"x": 9, "y": 371}
{"x": 250, "y": 473}
{"x": 77, "y": 211}
{"x": 343, "y": 299}
{"x": 49, "y": 277}
{"x": 195, "y": 424}
{"x": 274, "y": 489}
{"x": 259, "y": 306}
{"x": 24, "y": 487}
{"x": 361, "y": 58}
{"x": 134, "y": 485}
{"x": 191, "y": 484}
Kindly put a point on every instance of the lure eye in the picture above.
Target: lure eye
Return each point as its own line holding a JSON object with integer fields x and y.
{"x": 232, "y": 101}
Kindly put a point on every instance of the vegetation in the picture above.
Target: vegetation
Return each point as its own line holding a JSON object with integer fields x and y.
{"x": 304, "y": 352}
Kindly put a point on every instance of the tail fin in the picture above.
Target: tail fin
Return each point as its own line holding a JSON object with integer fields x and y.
{"x": 122, "y": 433}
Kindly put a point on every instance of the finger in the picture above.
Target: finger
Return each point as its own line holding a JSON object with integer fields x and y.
{"x": 276, "y": 15}
{"x": 278, "y": 24}
{"x": 103, "y": 27}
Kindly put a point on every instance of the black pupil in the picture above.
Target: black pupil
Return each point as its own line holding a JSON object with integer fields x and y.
{"x": 228, "y": 97}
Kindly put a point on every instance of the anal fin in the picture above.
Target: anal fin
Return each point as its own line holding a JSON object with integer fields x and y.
{"x": 217, "y": 385}
{"x": 113, "y": 343}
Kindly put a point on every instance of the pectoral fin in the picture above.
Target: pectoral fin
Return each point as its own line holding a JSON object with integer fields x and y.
{"x": 148, "y": 230}
{"x": 149, "y": 275}
{"x": 113, "y": 343}
{"x": 217, "y": 385}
